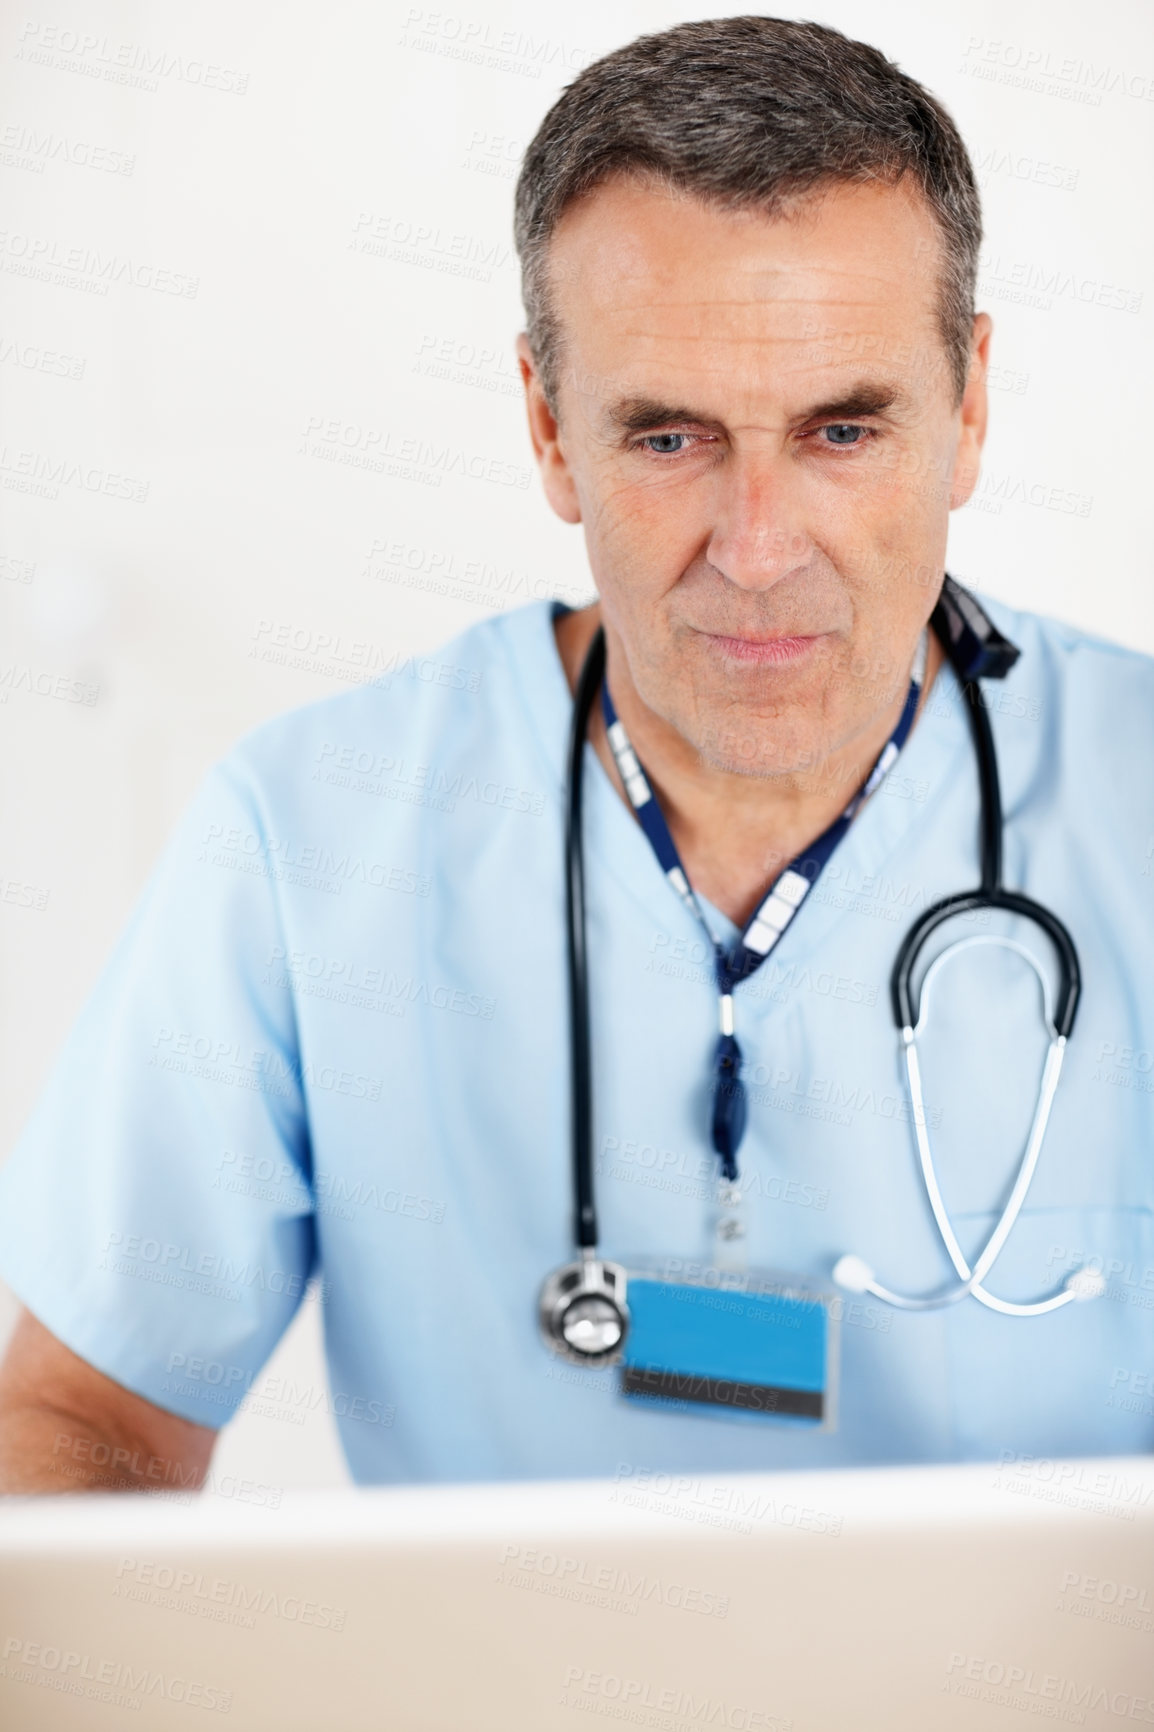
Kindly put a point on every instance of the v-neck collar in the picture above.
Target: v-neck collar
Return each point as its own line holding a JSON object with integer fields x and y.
{"x": 932, "y": 757}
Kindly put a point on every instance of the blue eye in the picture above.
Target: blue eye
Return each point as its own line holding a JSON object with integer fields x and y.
{"x": 837, "y": 428}
{"x": 656, "y": 442}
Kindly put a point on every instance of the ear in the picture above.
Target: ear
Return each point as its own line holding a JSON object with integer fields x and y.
{"x": 545, "y": 433}
{"x": 974, "y": 415}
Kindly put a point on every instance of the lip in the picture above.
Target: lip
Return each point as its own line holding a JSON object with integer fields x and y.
{"x": 777, "y": 650}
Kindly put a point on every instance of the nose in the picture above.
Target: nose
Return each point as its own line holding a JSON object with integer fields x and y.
{"x": 759, "y": 535}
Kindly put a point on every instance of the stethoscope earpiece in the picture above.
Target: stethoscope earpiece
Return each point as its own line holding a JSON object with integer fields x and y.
{"x": 853, "y": 1273}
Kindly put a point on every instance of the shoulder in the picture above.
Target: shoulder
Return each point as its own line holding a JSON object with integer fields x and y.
{"x": 488, "y": 684}
{"x": 1073, "y": 721}
{"x": 1068, "y": 661}
{"x": 1082, "y": 699}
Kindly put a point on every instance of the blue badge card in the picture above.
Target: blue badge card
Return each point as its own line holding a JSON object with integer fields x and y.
{"x": 754, "y": 1343}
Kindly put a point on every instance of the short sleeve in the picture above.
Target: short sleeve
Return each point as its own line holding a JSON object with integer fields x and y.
{"x": 156, "y": 1214}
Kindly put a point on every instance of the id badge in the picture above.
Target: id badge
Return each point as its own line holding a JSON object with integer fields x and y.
{"x": 754, "y": 1343}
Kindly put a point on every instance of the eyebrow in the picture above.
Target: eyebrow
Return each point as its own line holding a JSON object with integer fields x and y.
{"x": 636, "y": 414}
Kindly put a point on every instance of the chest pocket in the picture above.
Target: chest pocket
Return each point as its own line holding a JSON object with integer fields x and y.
{"x": 1077, "y": 1381}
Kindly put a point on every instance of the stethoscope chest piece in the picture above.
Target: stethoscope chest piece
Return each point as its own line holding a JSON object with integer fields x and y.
{"x": 583, "y": 1313}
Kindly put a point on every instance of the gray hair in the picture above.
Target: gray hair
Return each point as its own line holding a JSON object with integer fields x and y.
{"x": 747, "y": 113}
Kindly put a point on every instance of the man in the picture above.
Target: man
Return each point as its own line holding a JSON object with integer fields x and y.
{"x": 755, "y": 378}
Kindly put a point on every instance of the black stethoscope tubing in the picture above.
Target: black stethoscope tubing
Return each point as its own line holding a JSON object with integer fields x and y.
{"x": 584, "y": 1206}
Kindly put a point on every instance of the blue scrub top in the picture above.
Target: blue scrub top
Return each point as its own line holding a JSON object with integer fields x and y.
{"x": 333, "y": 1041}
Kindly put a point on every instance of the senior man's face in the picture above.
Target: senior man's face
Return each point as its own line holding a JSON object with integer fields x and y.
{"x": 758, "y": 429}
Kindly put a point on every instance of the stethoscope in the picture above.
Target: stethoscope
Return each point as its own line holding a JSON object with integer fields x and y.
{"x": 583, "y": 1308}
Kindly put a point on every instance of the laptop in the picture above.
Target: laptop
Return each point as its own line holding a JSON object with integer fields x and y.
{"x": 901, "y": 1599}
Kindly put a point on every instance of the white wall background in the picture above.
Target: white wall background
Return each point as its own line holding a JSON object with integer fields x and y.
{"x": 223, "y": 226}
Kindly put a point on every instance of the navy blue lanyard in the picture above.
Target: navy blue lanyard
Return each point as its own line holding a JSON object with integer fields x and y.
{"x": 775, "y": 913}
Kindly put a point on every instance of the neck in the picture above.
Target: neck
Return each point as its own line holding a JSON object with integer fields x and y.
{"x": 734, "y": 833}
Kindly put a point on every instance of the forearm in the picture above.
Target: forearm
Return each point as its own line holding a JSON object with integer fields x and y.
{"x": 48, "y": 1449}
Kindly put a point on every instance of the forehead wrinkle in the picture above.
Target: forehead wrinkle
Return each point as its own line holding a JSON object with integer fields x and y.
{"x": 735, "y": 322}
{"x": 800, "y": 284}
{"x": 703, "y": 264}
{"x": 712, "y": 309}
{"x": 651, "y": 370}
{"x": 728, "y": 339}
